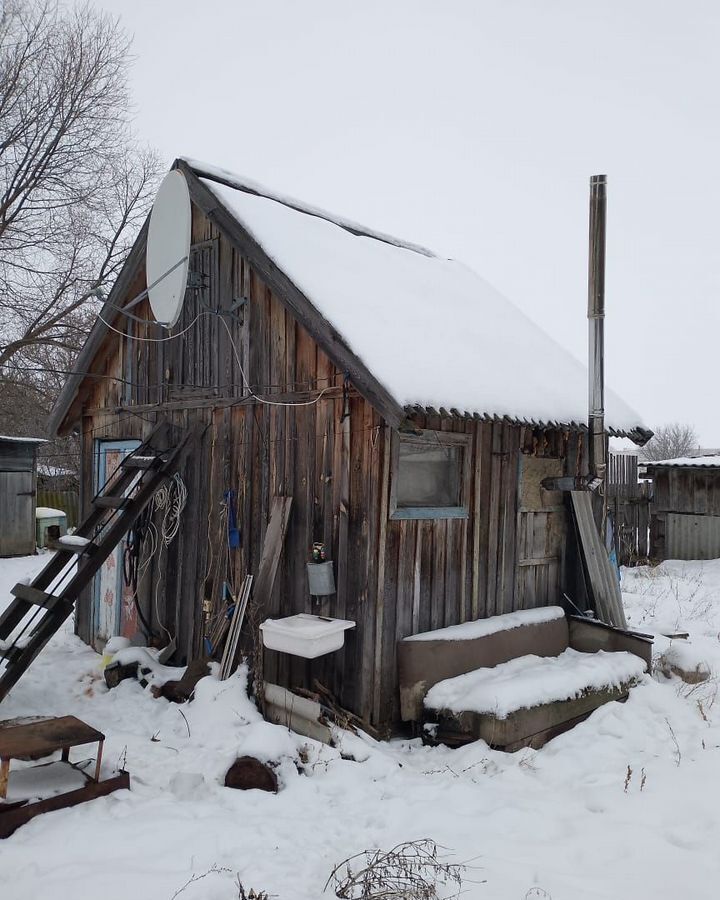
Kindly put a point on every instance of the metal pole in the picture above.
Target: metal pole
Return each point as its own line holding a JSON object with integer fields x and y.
{"x": 596, "y": 330}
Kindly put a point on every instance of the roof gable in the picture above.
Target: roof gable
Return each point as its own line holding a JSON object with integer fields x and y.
{"x": 411, "y": 329}
{"x": 431, "y": 331}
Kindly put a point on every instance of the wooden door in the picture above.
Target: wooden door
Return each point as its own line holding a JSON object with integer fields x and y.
{"x": 113, "y": 610}
{"x": 17, "y": 513}
{"x": 541, "y": 535}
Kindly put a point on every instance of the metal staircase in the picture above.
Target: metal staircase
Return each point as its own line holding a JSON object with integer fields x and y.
{"x": 39, "y": 609}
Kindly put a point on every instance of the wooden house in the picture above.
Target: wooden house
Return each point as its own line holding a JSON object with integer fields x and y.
{"x": 685, "y": 508}
{"x": 409, "y": 410}
{"x": 18, "y": 483}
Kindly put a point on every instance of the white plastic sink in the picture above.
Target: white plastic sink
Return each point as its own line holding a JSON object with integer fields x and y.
{"x": 305, "y": 635}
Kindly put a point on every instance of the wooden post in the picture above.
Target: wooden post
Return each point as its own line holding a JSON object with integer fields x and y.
{"x": 98, "y": 761}
{"x": 596, "y": 333}
{"x": 4, "y": 777}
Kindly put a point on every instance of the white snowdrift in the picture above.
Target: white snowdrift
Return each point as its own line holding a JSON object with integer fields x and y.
{"x": 153, "y": 671}
{"x": 530, "y": 681}
{"x": 534, "y": 822}
{"x": 683, "y": 656}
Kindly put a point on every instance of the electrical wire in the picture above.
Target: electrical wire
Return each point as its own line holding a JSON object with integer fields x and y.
{"x": 152, "y": 385}
{"x": 170, "y": 337}
{"x": 170, "y": 499}
{"x": 246, "y": 383}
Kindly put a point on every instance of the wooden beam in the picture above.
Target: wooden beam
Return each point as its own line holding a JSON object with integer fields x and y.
{"x": 332, "y": 393}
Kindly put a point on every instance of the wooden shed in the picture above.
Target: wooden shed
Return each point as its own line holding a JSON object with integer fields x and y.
{"x": 18, "y": 484}
{"x": 685, "y": 508}
{"x": 409, "y": 410}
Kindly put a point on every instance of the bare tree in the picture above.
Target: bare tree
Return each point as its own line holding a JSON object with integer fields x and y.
{"x": 670, "y": 442}
{"x": 74, "y": 184}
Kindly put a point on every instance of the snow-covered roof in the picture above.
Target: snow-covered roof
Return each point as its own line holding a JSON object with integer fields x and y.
{"x": 682, "y": 462}
{"x": 429, "y": 329}
{"x": 53, "y": 471}
{"x": 412, "y": 328}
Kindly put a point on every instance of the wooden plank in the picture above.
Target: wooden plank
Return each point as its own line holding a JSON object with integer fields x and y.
{"x": 494, "y": 604}
{"x": 601, "y": 576}
{"x": 476, "y": 515}
{"x": 382, "y": 550}
{"x": 437, "y": 603}
{"x": 12, "y": 819}
{"x": 509, "y": 517}
{"x": 35, "y": 596}
{"x": 405, "y": 580}
{"x": 352, "y": 530}
{"x": 386, "y": 673}
{"x": 342, "y": 483}
{"x": 190, "y": 550}
{"x": 365, "y": 498}
{"x": 466, "y": 531}
{"x": 272, "y": 547}
{"x": 39, "y": 739}
{"x": 426, "y": 580}
{"x": 486, "y": 444}
{"x": 416, "y": 579}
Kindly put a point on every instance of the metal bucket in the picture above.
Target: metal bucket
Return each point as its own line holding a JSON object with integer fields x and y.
{"x": 321, "y": 578}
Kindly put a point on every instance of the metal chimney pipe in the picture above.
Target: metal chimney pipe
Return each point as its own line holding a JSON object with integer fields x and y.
{"x": 596, "y": 329}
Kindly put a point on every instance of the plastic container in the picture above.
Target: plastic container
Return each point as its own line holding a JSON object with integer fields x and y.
{"x": 305, "y": 635}
{"x": 113, "y": 646}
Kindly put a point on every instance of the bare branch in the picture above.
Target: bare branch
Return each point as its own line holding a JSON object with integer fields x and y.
{"x": 670, "y": 442}
{"x": 74, "y": 186}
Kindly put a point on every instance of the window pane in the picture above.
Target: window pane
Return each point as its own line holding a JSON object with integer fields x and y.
{"x": 428, "y": 476}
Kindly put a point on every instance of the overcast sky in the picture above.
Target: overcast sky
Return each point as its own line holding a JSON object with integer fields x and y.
{"x": 473, "y": 128}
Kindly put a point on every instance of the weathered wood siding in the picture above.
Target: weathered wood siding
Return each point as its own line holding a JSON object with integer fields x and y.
{"x": 685, "y": 502}
{"x": 18, "y": 485}
{"x": 393, "y": 577}
{"x": 17, "y": 513}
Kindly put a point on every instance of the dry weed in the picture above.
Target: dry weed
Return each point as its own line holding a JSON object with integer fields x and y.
{"x": 411, "y": 870}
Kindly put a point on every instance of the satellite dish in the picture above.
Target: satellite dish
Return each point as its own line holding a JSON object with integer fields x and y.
{"x": 168, "y": 249}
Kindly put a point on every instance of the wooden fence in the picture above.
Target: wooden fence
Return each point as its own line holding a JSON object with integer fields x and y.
{"x": 67, "y": 501}
{"x": 629, "y": 504}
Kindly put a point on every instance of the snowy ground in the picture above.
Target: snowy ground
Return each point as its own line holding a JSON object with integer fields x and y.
{"x": 626, "y": 805}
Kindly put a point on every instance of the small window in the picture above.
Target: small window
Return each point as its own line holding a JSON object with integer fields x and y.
{"x": 429, "y": 476}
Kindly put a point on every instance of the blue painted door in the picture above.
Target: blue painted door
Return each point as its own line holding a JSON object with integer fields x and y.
{"x": 113, "y": 609}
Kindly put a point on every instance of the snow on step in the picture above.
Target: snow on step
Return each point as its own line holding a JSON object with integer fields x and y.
{"x": 492, "y": 625}
{"x": 530, "y": 681}
{"x": 73, "y": 540}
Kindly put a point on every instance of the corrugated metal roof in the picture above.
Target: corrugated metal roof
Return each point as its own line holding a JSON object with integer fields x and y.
{"x": 687, "y": 462}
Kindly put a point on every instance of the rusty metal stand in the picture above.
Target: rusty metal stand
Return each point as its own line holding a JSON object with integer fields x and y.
{"x": 39, "y": 739}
